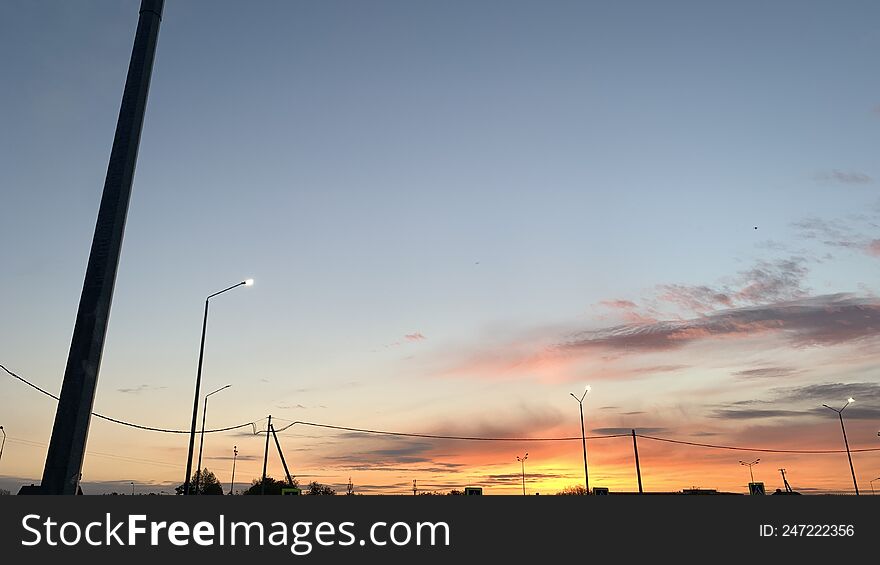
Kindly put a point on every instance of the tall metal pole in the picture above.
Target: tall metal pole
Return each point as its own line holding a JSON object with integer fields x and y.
{"x": 234, "y": 457}
{"x": 64, "y": 459}
{"x": 583, "y": 435}
{"x": 202, "y": 439}
{"x": 523, "y": 461}
{"x": 846, "y": 443}
{"x": 584, "y": 443}
{"x": 192, "y": 433}
{"x": 2, "y": 445}
{"x": 266, "y": 456}
{"x": 201, "y": 445}
{"x": 638, "y": 468}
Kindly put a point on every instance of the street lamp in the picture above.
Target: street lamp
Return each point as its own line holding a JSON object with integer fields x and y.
{"x": 583, "y": 435}
{"x": 192, "y": 433}
{"x": 846, "y": 443}
{"x": 202, "y": 439}
{"x": 234, "y": 457}
{"x": 522, "y": 460}
{"x": 872, "y": 484}
{"x": 132, "y": 488}
{"x": 749, "y": 465}
{"x": 2, "y": 445}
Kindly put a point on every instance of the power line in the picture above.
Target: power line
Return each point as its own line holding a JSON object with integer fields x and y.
{"x": 460, "y": 438}
{"x": 124, "y": 423}
{"x": 759, "y": 449}
{"x": 682, "y": 442}
{"x": 31, "y": 443}
{"x": 436, "y": 436}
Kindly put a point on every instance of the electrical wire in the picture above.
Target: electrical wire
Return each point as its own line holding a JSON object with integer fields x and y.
{"x": 130, "y": 424}
{"x": 436, "y": 436}
{"x": 758, "y": 449}
{"x": 459, "y": 438}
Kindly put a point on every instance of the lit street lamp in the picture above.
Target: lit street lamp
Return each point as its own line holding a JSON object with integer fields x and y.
{"x": 522, "y": 460}
{"x": 234, "y": 457}
{"x": 749, "y": 465}
{"x": 583, "y": 435}
{"x": 846, "y": 443}
{"x": 202, "y": 439}
{"x": 192, "y": 433}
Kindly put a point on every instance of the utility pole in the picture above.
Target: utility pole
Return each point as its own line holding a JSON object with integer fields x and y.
{"x": 638, "y": 469}
{"x": 234, "y": 457}
{"x": 785, "y": 481}
{"x": 415, "y": 490}
{"x": 70, "y": 431}
{"x": 266, "y": 456}
{"x": 281, "y": 454}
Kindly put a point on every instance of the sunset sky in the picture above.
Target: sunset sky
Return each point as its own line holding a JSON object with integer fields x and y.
{"x": 456, "y": 213}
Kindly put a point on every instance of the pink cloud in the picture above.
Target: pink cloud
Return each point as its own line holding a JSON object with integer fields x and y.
{"x": 417, "y": 336}
{"x": 619, "y": 304}
{"x": 817, "y": 321}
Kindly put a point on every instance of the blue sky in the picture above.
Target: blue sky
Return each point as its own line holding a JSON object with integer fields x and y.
{"x": 481, "y": 174}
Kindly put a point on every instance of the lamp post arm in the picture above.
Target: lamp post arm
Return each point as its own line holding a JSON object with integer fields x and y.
{"x": 236, "y": 285}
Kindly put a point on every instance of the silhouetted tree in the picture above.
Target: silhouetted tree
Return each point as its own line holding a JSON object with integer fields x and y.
{"x": 317, "y": 488}
{"x": 575, "y": 490}
{"x": 4, "y": 492}
{"x": 272, "y": 486}
{"x": 455, "y": 492}
{"x": 208, "y": 483}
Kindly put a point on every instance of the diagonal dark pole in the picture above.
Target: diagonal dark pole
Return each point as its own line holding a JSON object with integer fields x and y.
{"x": 64, "y": 459}
{"x": 584, "y": 442}
{"x": 638, "y": 467}
{"x": 846, "y": 443}
{"x": 281, "y": 454}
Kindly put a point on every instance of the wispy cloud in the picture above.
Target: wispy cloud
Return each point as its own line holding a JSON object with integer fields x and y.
{"x": 407, "y": 338}
{"x": 821, "y": 320}
{"x": 843, "y": 177}
{"x": 825, "y": 320}
{"x": 139, "y": 389}
{"x": 806, "y": 401}
{"x": 756, "y": 413}
{"x": 827, "y": 392}
{"x": 284, "y": 406}
{"x": 763, "y": 283}
{"x": 766, "y": 372}
{"x": 840, "y": 235}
